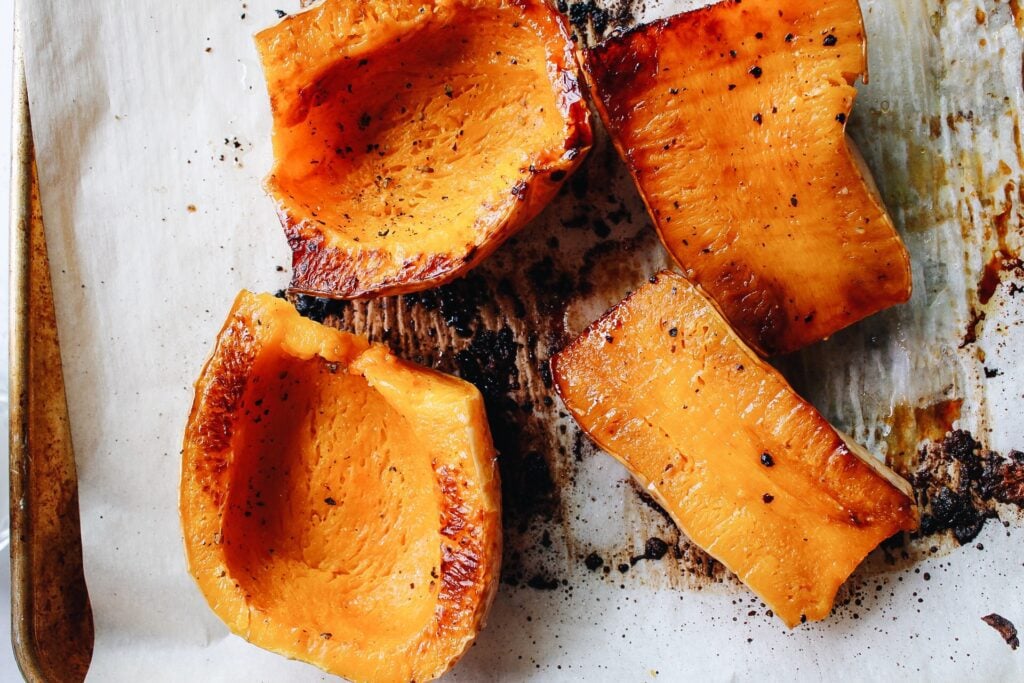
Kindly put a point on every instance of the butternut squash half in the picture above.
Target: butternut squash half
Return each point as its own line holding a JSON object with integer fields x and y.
{"x": 732, "y": 120}
{"x": 411, "y": 139}
{"x": 747, "y": 469}
{"x": 339, "y": 506}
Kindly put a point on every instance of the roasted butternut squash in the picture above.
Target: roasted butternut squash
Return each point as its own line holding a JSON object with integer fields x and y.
{"x": 339, "y": 506}
{"x": 732, "y": 121}
{"x": 747, "y": 469}
{"x": 411, "y": 139}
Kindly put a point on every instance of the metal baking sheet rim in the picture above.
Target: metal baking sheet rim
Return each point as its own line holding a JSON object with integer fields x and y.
{"x": 21, "y": 174}
{"x": 25, "y": 584}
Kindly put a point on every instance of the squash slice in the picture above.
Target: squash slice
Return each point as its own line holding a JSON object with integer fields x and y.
{"x": 339, "y": 506}
{"x": 732, "y": 121}
{"x": 411, "y": 139}
{"x": 747, "y": 469}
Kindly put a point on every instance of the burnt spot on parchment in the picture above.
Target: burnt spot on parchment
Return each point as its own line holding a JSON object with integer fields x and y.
{"x": 593, "y": 21}
{"x": 458, "y": 303}
{"x": 960, "y": 485}
{"x": 315, "y": 307}
{"x": 1003, "y": 262}
{"x": 1004, "y": 627}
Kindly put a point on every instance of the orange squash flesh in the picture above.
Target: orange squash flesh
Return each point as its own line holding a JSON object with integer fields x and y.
{"x": 747, "y": 469}
{"x": 732, "y": 120}
{"x": 411, "y": 139}
{"x": 339, "y": 506}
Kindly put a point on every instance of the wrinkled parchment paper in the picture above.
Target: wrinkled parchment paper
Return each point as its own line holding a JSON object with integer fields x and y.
{"x": 152, "y": 130}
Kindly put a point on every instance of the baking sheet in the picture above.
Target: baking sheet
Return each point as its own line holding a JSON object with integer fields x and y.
{"x": 152, "y": 129}
{"x": 51, "y": 621}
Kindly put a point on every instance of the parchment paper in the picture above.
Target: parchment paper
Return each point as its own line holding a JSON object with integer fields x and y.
{"x": 152, "y": 130}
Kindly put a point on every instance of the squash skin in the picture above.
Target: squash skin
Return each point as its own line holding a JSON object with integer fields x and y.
{"x": 230, "y": 498}
{"x": 747, "y": 469}
{"x": 737, "y": 144}
{"x": 351, "y": 244}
